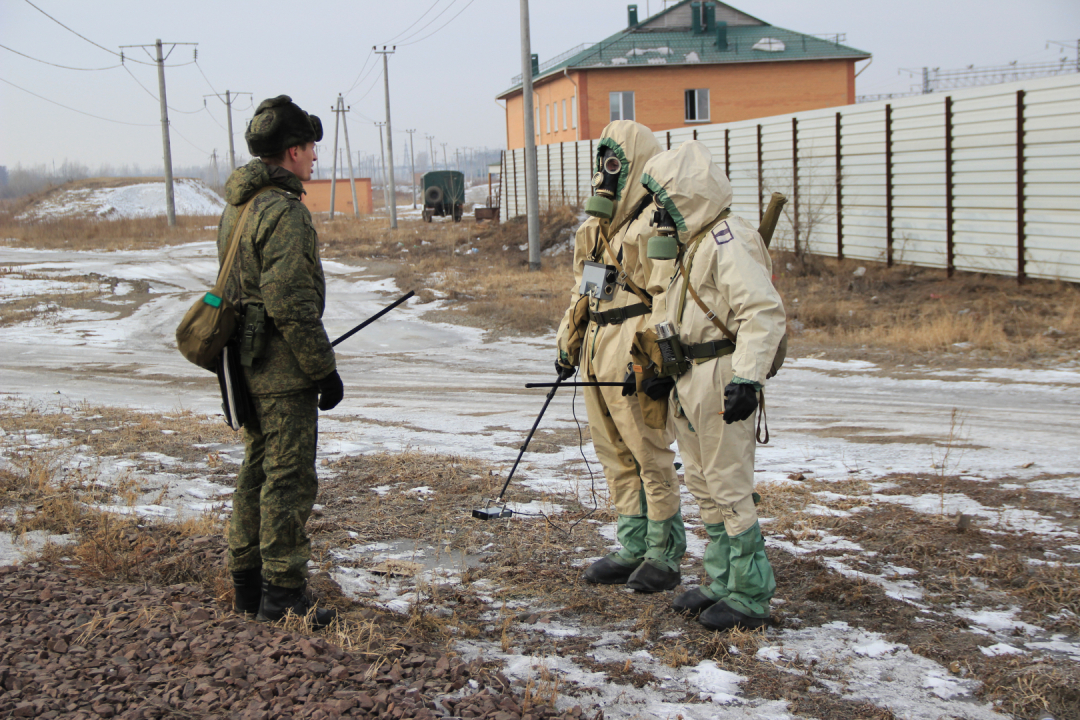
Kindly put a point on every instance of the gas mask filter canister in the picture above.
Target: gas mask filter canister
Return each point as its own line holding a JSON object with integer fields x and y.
{"x": 664, "y": 245}
{"x": 605, "y": 182}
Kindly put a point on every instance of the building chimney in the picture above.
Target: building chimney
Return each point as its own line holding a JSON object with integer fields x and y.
{"x": 710, "y": 17}
{"x": 535, "y": 64}
{"x": 721, "y": 36}
{"x": 631, "y": 11}
{"x": 695, "y": 17}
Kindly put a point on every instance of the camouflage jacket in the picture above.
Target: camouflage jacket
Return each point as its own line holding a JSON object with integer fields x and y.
{"x": 278, "y": 265}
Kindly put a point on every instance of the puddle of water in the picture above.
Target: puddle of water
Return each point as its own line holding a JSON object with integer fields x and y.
{"x": 427, "y": 556}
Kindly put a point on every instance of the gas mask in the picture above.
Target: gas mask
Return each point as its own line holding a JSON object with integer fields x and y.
{"x": 665, "y": 244}
{"x": 605, "y": 184}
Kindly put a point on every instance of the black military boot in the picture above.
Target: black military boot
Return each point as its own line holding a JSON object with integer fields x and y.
{"x": 277, "y": 602}
{"x": 247, "y": 591}
{"x": 651, "y": 578}
{"x": 692, "y": 602}
{"x": 606, "y": 571}
{"x": 721, "y": 616}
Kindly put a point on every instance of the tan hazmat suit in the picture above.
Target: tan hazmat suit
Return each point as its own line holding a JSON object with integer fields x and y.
{"x": 730, "y": 269}
{"x": 638, "y": 461}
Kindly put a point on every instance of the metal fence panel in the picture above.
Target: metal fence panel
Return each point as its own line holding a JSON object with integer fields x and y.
{"x": 1009, "y": 154}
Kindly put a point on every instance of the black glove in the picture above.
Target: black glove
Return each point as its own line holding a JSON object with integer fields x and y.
{"x": 658, "y": 388}
{"x": 565, "y": 372}
{"x": 330, "y": 391}
{"x": 629, "y": 384}
{"x": 740, "y": 402}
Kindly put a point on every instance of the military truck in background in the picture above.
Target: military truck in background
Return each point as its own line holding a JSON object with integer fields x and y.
{"x": 444, "y": 194}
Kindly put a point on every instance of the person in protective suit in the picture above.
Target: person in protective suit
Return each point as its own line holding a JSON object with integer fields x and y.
{"x": 714, "y": 400}
{"x": 596, "y": 334}
{"x": 292, "y": 372}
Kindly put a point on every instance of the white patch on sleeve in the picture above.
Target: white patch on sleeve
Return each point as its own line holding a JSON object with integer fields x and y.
{"x": 722, "y": 233}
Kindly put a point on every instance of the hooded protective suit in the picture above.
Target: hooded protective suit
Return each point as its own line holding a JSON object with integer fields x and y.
{"x": 638, "y": 461}
{"x": 730, "y": 269}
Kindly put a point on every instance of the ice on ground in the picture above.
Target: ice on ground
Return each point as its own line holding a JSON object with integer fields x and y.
{"x": 862, "y": 665}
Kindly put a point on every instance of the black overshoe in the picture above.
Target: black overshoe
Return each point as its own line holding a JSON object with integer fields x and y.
{"x": 247, "y": 591}
{"x": 692, "y": 602}
{"x": 651, "y": 578}
{"x": 277, "y": 602}
{"x": 721, "y": 616}
{"x": 606, "y": 571}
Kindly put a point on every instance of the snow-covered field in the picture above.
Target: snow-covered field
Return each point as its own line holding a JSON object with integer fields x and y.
{"x": 190, "y": 197}
{"x": 415, "y": 384}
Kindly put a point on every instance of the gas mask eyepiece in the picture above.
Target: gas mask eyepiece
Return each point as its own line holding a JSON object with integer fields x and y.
{"x": 665, "y": 244}
{"x": 605, "y": 183}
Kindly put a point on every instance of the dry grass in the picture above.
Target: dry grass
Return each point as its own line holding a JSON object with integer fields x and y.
{"x": 921, "y": 312}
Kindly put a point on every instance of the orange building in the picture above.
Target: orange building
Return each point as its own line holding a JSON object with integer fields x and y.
{"x": 317, "y": 196}
{"x": 697, "y": 62}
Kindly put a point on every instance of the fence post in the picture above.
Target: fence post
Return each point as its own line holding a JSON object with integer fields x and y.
{"x": 695, "y": 133}
{"x": 668, "y": 139}
{"x": 760, "y": 177}
{"x": 502, "y": 187}
{"x": 517, "y": 201}
{"x": 839, "y": 193}
{"x": 562, "y": 171}
{"x": 549, "y": 176}
{"x": 577, "y": 175}
{"x": 795, "y": 182}
{"x": 1021, "y": 189}
{"x": 888, "y": 187}
{"x": 950, "y": 249}
{"x": 727, "y": 152}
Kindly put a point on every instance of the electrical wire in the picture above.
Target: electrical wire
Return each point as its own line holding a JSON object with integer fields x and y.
{"x": 157, "y": 99}
{"x": 370, "y": 88}
{"x": 361, "y": 115}
{"x": 427, "y": 24}
{"x": 439, "y": 28}
{"x": 97, "y": 45}
{"x": 65, "y": 67}
{"x": 207, "y": 79}
{"x": 413, "y": 23}
{"x": 66, "y": 107}
{"x": 363, "y": 70}
{"x": 173, "y": 128}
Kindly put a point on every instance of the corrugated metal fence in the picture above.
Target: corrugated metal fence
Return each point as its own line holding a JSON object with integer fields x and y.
{"x": 985, "y": 179}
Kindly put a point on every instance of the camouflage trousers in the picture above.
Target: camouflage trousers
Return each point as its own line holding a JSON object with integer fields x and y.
{"x": 276, "y": 489}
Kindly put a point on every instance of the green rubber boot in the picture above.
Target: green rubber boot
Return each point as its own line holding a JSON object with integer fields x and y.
{"x": 717, "y": 562}
{"x": 617, "y": 567}
{"x": 751, "y": 583}
{"x": 666, "y": 540}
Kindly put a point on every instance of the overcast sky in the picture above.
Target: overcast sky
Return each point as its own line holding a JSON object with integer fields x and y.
{"x": 449, "y": 65}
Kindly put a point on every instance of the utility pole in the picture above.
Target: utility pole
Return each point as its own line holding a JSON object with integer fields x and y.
{"x": 431, "y": 148}
{"x": 214, "y": 167}
{"x": 229, "y": 97}
{"x": 348, "y": 153}
{"x": 532, "y": 190}
{"x": 412, "y": 164}
{"x": 383, "y": 151}
{"x": 445, "y": 162}
{"x": 170, "y": 198}
{"x": 333, "y": 174}
{"x": 389, "y": 133}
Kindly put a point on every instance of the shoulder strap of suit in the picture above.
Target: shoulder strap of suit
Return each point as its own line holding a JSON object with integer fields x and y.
{"x": 687, "y": 287}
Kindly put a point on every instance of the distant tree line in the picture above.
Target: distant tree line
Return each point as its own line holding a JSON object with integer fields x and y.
{"x": 23, "y": 180}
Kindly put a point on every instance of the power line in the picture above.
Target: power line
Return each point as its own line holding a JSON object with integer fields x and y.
{"x": 372, "y": 87}
{"x": 66, "y": 107}
{"x": 442, "y": 26}
{"x": 428, "y": 23}
{"x": 97, "y": 45}
{"x": 173, "y": 126}
{"x": 65, "y": 67}
{"x": 414, "y": 22}
{"x": 360, "y": 75}
{"x": 156, "y": 99}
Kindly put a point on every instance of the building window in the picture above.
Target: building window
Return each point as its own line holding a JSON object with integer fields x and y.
{"x": 564, "y": 125}
{"x": 547, "y": 119}
{"x": 622, "y": 105}
{"x": 573, "y": 112}
{"x": 697, "y": 105}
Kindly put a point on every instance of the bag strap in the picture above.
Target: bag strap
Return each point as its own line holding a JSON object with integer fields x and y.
{"x": 693, "y": 293}
{"x": 234, "y": 246}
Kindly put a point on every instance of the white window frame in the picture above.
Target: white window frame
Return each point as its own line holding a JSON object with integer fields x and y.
{"x": 564, "y": 125}
{"x": 547, "y": 118}
{"x": 700, "y": 97}
{"x": 622, "y": 114}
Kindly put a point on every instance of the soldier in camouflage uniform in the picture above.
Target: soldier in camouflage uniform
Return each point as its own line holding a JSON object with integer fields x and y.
{"x": 278, "y": 268}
